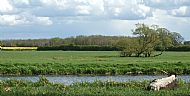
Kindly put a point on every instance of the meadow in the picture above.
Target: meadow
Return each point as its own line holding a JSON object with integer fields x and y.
{"x": 90, "y": 63}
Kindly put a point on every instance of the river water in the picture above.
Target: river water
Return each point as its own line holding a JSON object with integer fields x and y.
{"x": 70, "y": 79}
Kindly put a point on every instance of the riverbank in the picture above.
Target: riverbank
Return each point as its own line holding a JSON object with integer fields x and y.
{"x": 90, "y": 63}
{"x": 45, "y": 88}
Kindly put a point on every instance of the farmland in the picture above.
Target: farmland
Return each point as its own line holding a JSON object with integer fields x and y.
{"x": 90, "y": 63}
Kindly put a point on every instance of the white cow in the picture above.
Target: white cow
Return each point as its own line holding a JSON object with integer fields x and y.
{"x": 162, "y": 83}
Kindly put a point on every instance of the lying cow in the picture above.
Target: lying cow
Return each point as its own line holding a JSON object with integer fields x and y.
{"x": 168, "y": 82}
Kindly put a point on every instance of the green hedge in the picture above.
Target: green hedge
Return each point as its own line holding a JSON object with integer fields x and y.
{"x": 179, "y": 48}
{"x": 103, "y": 48}
{"x": 79, "y": 48}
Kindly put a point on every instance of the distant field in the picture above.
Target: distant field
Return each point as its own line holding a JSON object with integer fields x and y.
{"x": 90, "y": 62}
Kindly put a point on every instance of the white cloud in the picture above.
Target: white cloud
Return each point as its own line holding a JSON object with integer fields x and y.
{"x": 114, "y": 9}
{"x": 109, "y": 15}
{"x": 58, "y": 8}
{"x": 43, "y": 20}
{"x": 60, "y": 4}
{"x": 24, "y": 19}
{"x": 9, "y": 20}
{"x": 20, "y": 2}
{"x": 177, "y": 8}
{"x": 30, "y": 19}
{"x": 5, "y": 6}
{"x": 167, "y": 4}
{"x": 127, "y": 10}
{"x": 90, "y": 9}
{"x": 83, "y": 10}
{"x": 183, "y": 11}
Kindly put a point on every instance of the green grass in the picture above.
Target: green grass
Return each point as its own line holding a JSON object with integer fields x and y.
{"x": 90, "y": 62}
{"x": 44, "y": 88}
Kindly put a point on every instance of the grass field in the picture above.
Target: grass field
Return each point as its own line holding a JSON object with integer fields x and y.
{"x": 89, "y": 62}
{"x": 85, "y": 63}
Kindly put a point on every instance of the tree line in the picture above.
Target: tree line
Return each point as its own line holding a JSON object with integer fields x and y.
{"x": 145, "y": 40}
{"x": 97, "y": 40}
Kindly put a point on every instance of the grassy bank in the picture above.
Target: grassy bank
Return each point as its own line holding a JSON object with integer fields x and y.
{"x": 44, "y": 88}
{"x": 88, "y": 62}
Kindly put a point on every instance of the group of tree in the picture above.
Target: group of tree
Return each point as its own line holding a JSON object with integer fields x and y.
{"x": 146, "y": 39}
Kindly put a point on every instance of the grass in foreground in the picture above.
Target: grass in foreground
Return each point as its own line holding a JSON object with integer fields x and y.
{"x": 44, "y": 88}
{"x": 90, "y": 62}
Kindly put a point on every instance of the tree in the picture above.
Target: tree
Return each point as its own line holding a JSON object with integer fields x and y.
{"x": 168, "y": 39}
{"x": 146, "y": 39}
{"x": 129, "y": 46}
{"x": 165, "y": 40}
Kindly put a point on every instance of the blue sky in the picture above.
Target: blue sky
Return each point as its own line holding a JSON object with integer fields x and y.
{"x": 31, "y": 19}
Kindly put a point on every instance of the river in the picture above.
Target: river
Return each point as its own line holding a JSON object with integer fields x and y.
{"x": 70, "y": 79}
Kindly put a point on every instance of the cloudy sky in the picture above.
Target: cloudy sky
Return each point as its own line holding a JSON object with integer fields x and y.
{"x": 29, "y": 19}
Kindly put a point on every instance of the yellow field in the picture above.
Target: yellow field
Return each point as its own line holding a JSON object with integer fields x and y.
{"x": 18, "y": 48}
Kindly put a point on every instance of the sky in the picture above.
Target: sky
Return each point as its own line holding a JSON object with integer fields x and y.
{"x": 34, "y": 19}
